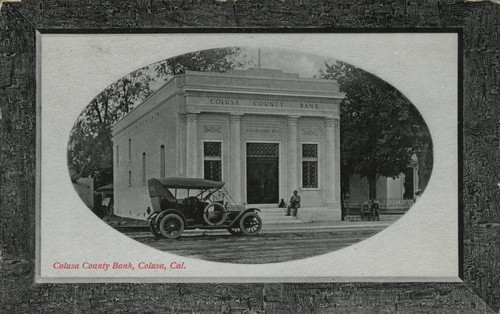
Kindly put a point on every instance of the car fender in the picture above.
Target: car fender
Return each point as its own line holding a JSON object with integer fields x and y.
{"x": 237, "y": 219}
{"x": 152, "y": 216}
{"x": 251, "y": 210}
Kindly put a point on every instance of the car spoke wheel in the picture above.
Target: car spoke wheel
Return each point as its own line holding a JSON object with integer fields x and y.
{"x": 214, "y": 214}
{"x": 250, "y": 224}
{"x": 236, "y": 231}
{"x": 171, "y": 226}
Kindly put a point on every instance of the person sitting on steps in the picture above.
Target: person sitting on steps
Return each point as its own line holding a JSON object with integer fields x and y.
{"x": 365, "y": 211}
{"x": 375, "y": 211}
{"x": 294, "y": 204}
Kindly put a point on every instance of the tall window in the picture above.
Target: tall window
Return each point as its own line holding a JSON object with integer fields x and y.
{"x": 309, "y": 165}
{"x": 130, "y": 178}
{"x": 143, "y": 168}
{"x": 212, "y": 161}
{"x": 162, "y": 161}
{"x": 129, "y": 149}
{"x": 117, "y": 156}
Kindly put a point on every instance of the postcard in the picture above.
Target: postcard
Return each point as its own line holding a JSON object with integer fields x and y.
{"x": 248, "y": 157}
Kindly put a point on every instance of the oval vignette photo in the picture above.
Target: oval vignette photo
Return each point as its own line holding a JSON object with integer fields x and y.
{"x": 250, "y": 155}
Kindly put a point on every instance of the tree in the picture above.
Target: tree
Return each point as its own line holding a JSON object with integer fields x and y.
{"x": 380, "y": 128}
{"x": 90, "y": 148}
{"x": 212, "y": 60}
{"x": 90, "y": 151}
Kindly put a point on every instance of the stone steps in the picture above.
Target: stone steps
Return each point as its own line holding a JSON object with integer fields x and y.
{"x": 277, "y": 216}
{"x": 382, "y": 217}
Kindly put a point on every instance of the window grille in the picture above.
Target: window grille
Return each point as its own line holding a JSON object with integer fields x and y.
{"x": 310, "y": 166}
{"x": 212, "y": 161}
{"x": 262, "y": 150}
{"x": 212, "y": 149}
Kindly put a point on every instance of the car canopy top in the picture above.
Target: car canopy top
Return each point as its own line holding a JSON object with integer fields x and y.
{"x": 158, "y": 186}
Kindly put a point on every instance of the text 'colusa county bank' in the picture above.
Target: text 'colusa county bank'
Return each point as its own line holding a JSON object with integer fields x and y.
{"x": 260, "y": 103}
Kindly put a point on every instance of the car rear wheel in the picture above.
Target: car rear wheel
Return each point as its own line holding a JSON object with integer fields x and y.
{"x": 236, "y": 231}
{"x": 171, "y": 226}
{"x": 250, "y": 224}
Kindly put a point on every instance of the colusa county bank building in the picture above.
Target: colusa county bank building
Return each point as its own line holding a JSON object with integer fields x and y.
{"x": 263, "y": 132}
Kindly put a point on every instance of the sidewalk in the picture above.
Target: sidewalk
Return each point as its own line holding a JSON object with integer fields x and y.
{"x": 326, "y": 225}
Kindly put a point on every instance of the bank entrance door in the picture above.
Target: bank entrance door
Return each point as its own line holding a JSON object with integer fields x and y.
{"x": 262, "y": 173}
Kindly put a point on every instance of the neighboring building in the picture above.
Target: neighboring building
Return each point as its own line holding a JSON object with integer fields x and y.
{"x": 264, "y": 132}
{"x": 393, "y": 194}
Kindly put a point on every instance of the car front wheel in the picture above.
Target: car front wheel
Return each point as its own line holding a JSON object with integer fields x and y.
{"x": 171, "y": 226}
{"x": 250, "y": 224}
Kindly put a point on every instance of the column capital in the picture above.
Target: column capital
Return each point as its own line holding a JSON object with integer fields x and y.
{"x": 191, "y": 117}
{"x": 235, "y": 117}
{"x": 292, "y": 120}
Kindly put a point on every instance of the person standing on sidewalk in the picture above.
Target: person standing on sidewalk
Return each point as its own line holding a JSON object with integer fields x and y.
{"x": 294, "y": 204}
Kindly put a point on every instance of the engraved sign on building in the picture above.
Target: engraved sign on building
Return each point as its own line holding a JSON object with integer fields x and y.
{"x": 310, "y": 132}
{"x": 199, "y": 102}
{"x": 212, "y": 128}
{"x": 262, "y": 132}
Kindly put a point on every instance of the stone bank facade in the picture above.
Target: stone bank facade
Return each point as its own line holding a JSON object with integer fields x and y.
{"x": 263, "y": 132}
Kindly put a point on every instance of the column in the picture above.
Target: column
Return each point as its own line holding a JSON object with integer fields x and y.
{"x": 235, "y": 157}
{"x": 292, "y": 152}
{"x": 191, "y": 146}
{"x": 181, "y": 147}
{"x": 332, "y": 161}
{"x": 336, "y": 130}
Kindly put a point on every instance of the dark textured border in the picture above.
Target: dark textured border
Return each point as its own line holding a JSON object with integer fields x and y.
{"x": 481, "y": 159}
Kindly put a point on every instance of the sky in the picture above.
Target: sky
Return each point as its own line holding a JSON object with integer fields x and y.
{"x": 306, "y": 65}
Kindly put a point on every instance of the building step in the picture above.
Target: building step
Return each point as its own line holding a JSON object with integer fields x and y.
{"x": 281, "y": 221}
{"x": 284, "y": 218}
{"x": 277, "y": 216}
{"x": 382, "y": 218}
{"x": 280, "y": 214}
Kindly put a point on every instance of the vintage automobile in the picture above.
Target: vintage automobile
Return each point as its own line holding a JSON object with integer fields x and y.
{"x": 197, "y": 204}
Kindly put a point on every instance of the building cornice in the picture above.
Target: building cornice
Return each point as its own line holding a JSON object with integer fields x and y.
{"x": 258, "y": 95}
{"x": 255, "y": 77}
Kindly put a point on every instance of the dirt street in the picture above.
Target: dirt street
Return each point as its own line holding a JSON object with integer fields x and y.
{"x": 264, "y": 248}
